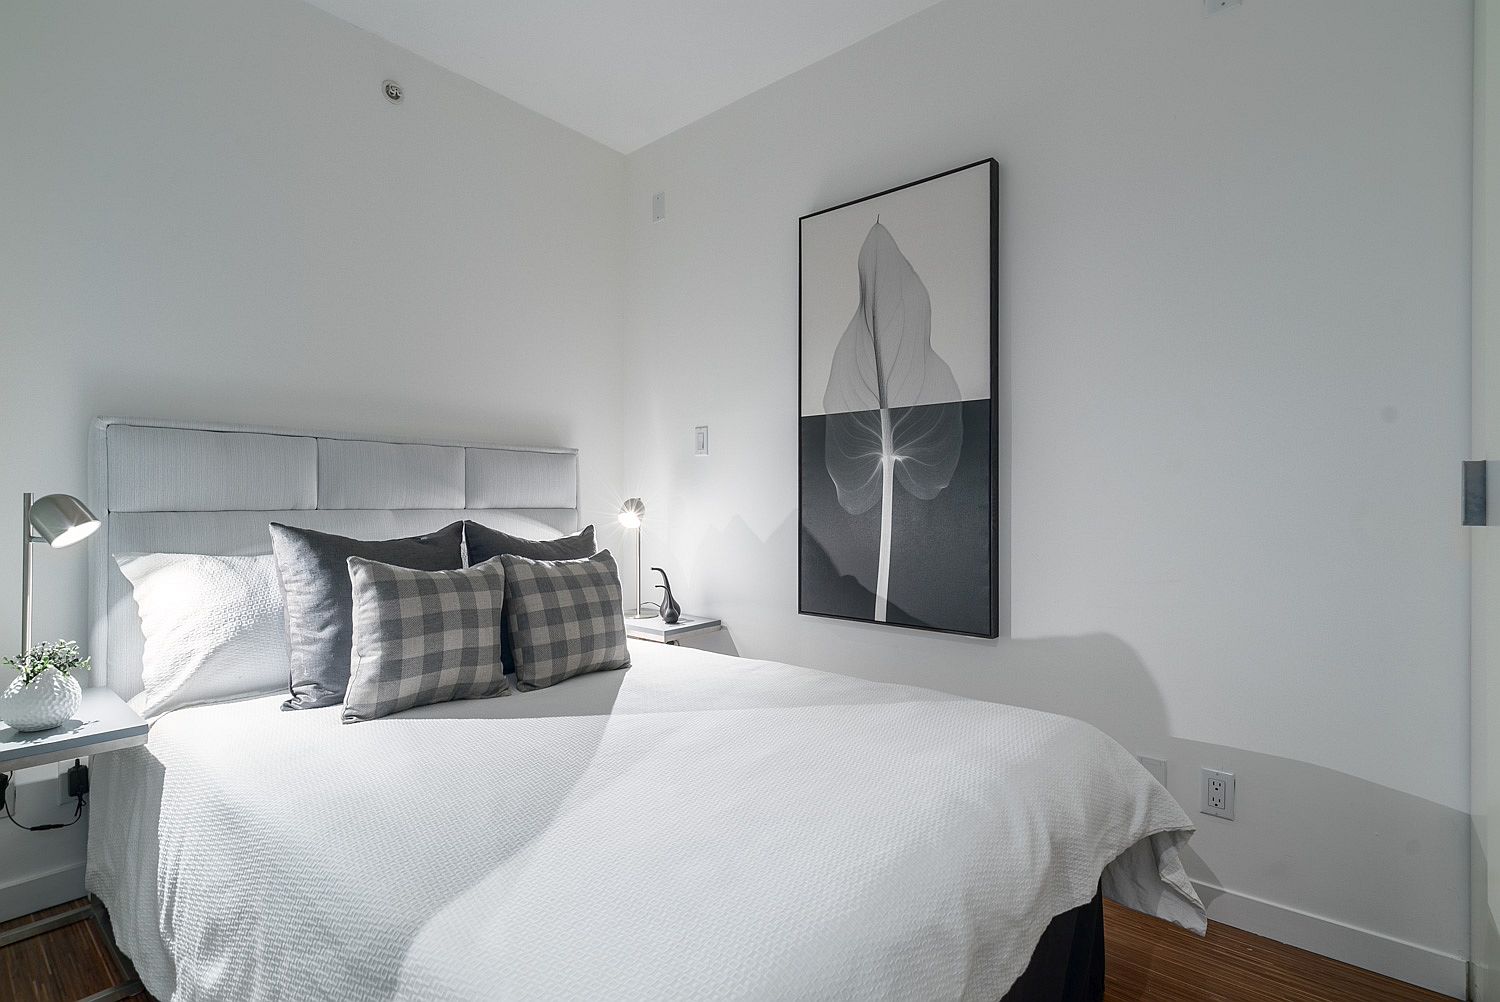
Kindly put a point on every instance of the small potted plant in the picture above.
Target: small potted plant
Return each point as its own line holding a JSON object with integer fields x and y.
{"x": 45, "y": 693}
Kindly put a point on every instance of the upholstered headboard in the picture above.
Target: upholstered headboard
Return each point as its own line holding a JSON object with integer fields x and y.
{"x": 163, "y": 487}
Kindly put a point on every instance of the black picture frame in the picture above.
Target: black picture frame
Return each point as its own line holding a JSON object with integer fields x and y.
{"x": 986, "y": 524}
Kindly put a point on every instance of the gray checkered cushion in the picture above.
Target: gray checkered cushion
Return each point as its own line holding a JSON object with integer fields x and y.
{"x": 423, "y": 637}
{"x": 485, "y": 543}
{"x": 566, "y": 618}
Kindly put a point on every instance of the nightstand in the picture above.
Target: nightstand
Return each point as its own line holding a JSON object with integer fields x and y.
{"x": 655, "y": 630}
{"x": 103, "y": 723}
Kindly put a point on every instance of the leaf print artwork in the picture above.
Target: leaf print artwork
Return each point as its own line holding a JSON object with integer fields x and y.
{"x": 894, "y": 415}
{"x": 899, "y": 440}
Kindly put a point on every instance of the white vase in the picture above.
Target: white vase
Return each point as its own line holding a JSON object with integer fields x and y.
{"x": 50, "y": 699}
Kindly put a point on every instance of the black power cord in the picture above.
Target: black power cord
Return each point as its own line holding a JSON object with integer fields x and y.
{"x": 78, "y": 785}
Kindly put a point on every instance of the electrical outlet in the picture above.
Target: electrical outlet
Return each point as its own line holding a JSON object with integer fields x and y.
{"x": 1218, "y": 794}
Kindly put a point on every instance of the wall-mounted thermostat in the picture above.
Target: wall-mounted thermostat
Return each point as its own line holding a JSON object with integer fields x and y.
{"x": 700, "y": 440}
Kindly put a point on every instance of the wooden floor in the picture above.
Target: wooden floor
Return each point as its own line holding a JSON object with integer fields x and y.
{"x": 63, "y": 965}
{"x": 1146, "y": 959}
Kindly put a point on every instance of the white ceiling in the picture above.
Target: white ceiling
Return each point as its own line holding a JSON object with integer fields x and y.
{"x": 625, "y": 72}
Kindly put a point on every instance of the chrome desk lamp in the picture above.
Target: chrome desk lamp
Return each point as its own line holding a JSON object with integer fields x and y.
{"x": 632, "y": 513}
{"x": 58, "y": 519}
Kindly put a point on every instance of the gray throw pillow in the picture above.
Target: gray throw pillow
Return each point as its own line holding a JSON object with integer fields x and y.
{"x": 423, "y": 637}
{"x": 485, "y": 543}
{"x": 565, "y": 618}
{"x": 314, "y": 569}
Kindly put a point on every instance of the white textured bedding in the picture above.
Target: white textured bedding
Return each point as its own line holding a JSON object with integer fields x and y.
{"x": 697, "y": 827}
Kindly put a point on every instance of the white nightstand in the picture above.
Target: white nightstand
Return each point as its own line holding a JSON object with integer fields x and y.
{"x": 654, "y": 629}
{"x": 103, "y": 723}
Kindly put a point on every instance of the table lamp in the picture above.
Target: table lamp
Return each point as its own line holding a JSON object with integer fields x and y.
{"x": 632, "y": 513}
{"x": 58, "y": 519}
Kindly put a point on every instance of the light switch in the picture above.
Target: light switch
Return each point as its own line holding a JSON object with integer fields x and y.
{"x": 1156, "y": 767}
{"x": 700, "y": 440}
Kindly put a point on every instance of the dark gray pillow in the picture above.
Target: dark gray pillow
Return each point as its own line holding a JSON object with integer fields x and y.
{"x": 565, "y": 618}
{"x": 314, "y": 568}
{"x": 423, "y": 637}
{"x": 485, "y": 543}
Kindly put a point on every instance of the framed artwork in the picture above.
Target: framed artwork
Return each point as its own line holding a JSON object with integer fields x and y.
{"x": 898, "y": 510}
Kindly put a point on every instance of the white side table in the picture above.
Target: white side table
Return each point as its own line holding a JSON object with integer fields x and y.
{"x": 655, "y": 630}
{"x": 103, "y": 723}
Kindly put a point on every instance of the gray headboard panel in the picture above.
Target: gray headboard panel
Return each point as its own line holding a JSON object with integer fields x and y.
{"x": 166, "y": 487}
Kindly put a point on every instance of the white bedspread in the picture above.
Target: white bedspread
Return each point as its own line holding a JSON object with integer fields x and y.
{"x": 699, "y": 827}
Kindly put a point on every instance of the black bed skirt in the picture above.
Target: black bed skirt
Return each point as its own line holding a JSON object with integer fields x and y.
{"x": 1068, "y": 962}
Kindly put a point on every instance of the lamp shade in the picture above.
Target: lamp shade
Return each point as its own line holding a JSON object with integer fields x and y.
{"x": 62, "y": 519}
{"x": 631, "y": 513}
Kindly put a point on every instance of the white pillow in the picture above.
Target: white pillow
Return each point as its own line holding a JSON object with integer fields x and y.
{"x": 214, "y": 627}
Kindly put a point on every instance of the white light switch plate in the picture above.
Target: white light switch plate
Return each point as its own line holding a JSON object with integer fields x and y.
{"x": 1156, "y": 767}
{"x": 700, "y": 440}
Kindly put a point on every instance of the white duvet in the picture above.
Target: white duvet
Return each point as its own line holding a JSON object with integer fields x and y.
{"x": 699, "y": 827}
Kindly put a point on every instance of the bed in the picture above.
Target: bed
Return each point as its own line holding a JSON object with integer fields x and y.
{"x": 696, "y": 826}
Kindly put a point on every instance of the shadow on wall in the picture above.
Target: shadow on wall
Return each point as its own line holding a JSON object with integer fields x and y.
{"x": 1306, "y": 837}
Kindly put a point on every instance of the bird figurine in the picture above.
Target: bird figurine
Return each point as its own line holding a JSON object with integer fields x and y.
{"x": 670, "y": 610}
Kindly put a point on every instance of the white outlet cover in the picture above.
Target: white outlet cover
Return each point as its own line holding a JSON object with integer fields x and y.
{"x": 1226, "y": 811}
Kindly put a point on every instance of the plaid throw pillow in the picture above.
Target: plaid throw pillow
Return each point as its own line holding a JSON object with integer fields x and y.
{"x": 566, "y": 618}
{"x": 485, "y": 543}
{"x": 423, "y": 637}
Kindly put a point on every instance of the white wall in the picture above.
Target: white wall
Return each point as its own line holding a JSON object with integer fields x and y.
{"x": 1484, "y": 731}
{"x": 210, "y": 212}
{"x": 1235, "y": 313}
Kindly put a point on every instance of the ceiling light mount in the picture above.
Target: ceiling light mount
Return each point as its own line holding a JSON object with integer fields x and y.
{"x": 393, "y": 92}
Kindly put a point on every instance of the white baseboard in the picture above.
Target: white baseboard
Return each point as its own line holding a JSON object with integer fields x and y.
{"x": 41, "y": 890}
{"x": 1395, "y": 958}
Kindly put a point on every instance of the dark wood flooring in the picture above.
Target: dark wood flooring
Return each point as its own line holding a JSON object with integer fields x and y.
{"x": 1147, "y": 960}
{"x": 63, "y": 965}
